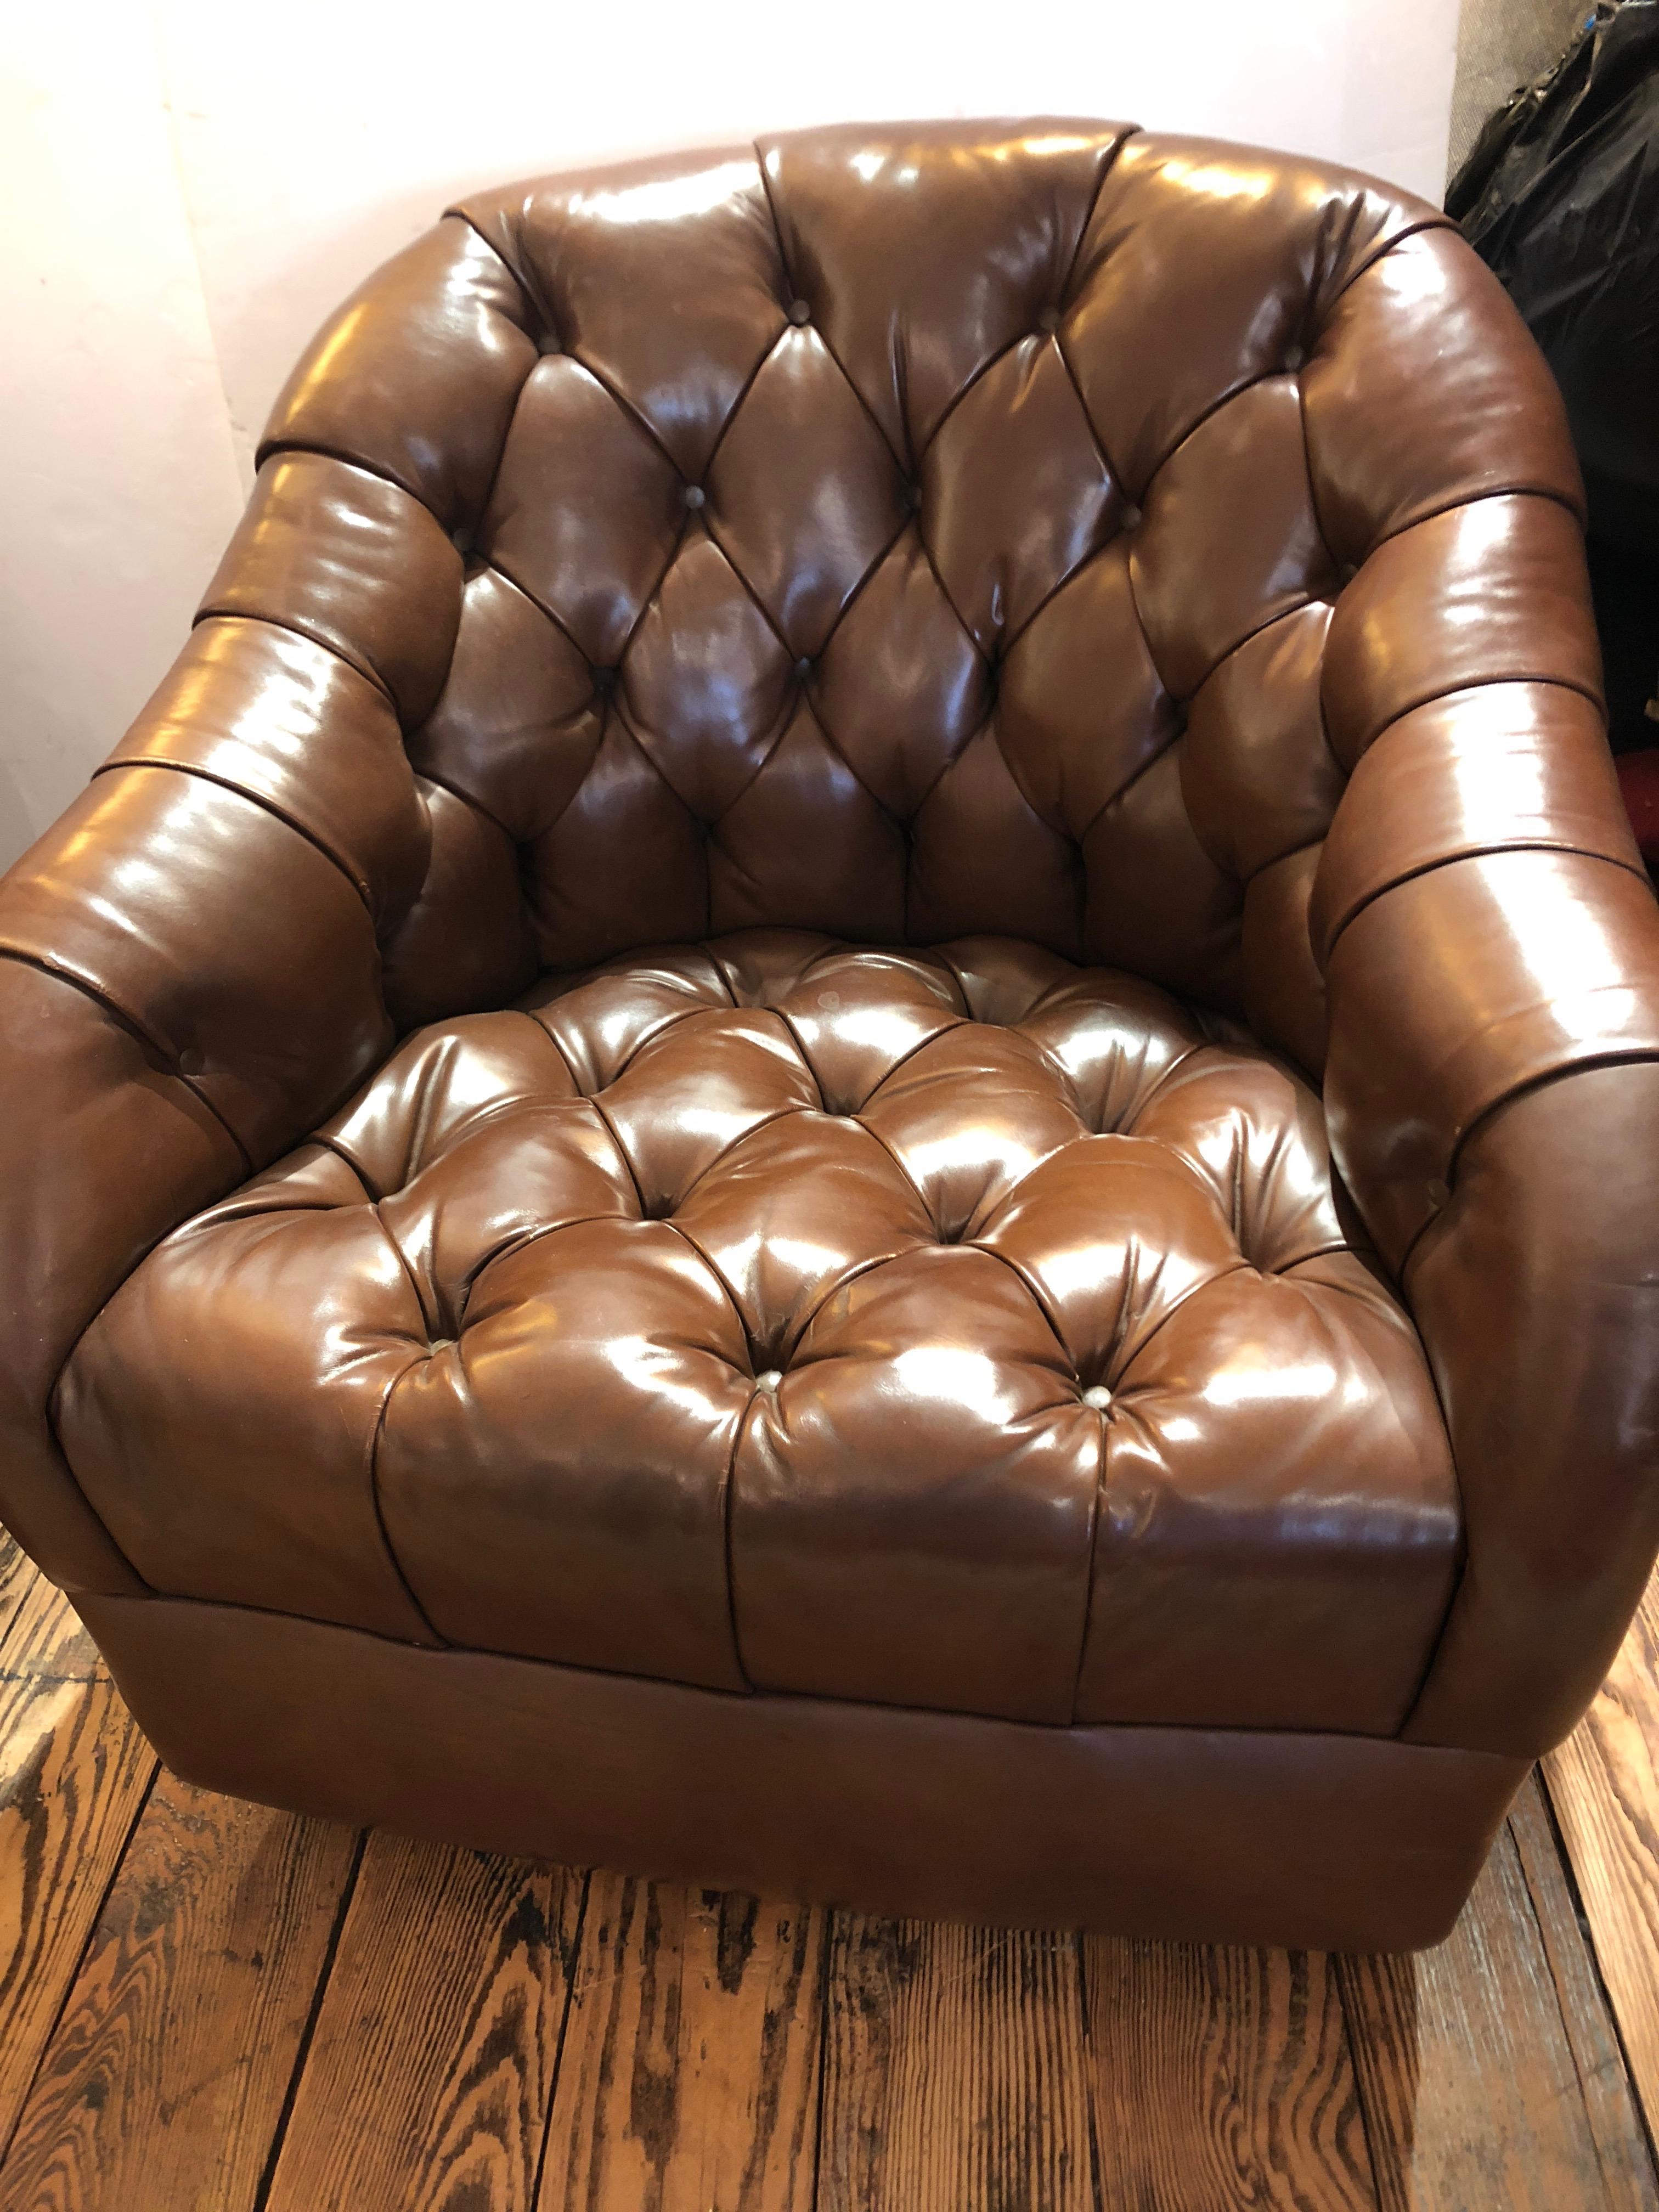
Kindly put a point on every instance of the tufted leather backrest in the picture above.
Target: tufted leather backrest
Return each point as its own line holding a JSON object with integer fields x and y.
{"x": 904, "y": 532}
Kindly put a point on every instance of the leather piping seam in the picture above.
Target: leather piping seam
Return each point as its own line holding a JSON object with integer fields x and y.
{"x": 1633, "y": 1055}
{"x": 1085, "y": 560}
{"x": 426, "y": 1319}
{"x": 210, "y": 611}
{"x": 1127, "y": 1129}
{"x": 905, "y": 467}
{"x": 728, "y": 1481}
{"x": 1517, "y": 1761}
{"x": 473, "y": 804}
{"x": 287, "y": 449}
{"x": 542, "y": 314}
{"x": 1065, "y": 1403}
{"x": 1474, "y": 684}
{"x": 49, "y": 1422}
{"x": 1492, "y": 852}
{"x": 372, "y": 1472}
{"x": 1011, "y": 347}
{"x": 359, "y": 883}
{"x": 135, "y": 1028}
{"x": 1337, "y": 567}
{"x": 767, "y": 352}
{"x": 626, "y": 407}
{"x": 1436, "y": 219}
{"x": 658, "y": 1030}
{"x": 1211, "y": 408}
{"x": 1309, "y": 599}
{"x": 1451, "y": 504}
{"x": 859, "y": 1269}
{"x": 371, "y": 1196}
{"x": 1135, "y": 774}
{"x": 764, "y": 1122}
{"x": 956, "y": 1022}
{"x": 519, "y": 1241}
{"x": 1277, "y": 860}
{"x": 493, "y": 563}
{"x": 728, "y": 1493}
{"x": 1107, "y": 168}
{"x": 563, "y": 1056}
{"x": 910, "y": 1181}
{"x": 282, "y": 448}
{"x": 633, "y": 1175}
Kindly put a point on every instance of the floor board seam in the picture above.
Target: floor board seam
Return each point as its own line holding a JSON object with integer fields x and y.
{"x": 302, "y": 2054}
{"x": 571, "y": 1973}
{"x": 1587, "y": 1929}
{"x": 71, "y": 1980}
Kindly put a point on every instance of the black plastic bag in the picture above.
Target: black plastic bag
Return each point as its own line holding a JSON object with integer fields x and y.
{"x": 1560, "y": 197}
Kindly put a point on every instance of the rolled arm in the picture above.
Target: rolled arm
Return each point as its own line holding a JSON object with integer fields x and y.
{"x": 214, "y": 945}
{"x": 1491, "y": 949}
{"x": 188, "y": 979}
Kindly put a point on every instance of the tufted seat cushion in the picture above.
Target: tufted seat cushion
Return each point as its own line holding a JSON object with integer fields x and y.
{"x": 961, "y": 1328}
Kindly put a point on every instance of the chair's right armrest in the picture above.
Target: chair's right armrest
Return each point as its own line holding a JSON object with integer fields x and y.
{"x": 1490, "y": 946}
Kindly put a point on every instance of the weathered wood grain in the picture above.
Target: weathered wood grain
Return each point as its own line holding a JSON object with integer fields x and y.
{"x": 1222, "y": 2077}
{"x": 1466, "y": 2073}
{"x": 17, "y": 1574}
{"x": 431, "y": 2068}
{"x": 689, "y": 2077}
{"x": 165, "y": 2077}
{"x": 1609, "y": 2100}
{"x": 1604, "y": 1786}
{"x": 74, "y": 1773}
{"x": 955, "y": 2071}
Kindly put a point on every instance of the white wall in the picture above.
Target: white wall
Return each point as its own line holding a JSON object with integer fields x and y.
{"x": 187, "y": 188}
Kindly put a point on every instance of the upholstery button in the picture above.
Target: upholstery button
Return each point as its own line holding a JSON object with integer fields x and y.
{"x": 191, "y": 1061}
{"x": 1048, "y": 320}
{"x": 804, "y": 667}
{"x": 441, "y": 1344}
{"x": 1439, "y": 1192}
{"x": 693, "y": 495}
{"x": 799, "y": 313}
{"x": 770, "y": 1381}
{"x": 1294, "y": 357}
{"x": 1098, "y": 1396}
{"x": 461, "y": 539}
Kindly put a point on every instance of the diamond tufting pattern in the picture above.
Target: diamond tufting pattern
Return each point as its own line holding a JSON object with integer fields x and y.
{"x": 921, "y": 1328}
{"x": 877, "y": 949}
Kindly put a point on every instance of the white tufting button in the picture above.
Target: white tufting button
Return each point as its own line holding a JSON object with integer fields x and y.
{"x": 770, "y": 1381}
{"x": 693, "y": 495}
{"x": 799, "y": 313}
{"x": 1098, "y": 1396}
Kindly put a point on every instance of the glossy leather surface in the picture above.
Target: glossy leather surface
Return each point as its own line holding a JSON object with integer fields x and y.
{"x": 968, "y": 756}
{"x": 1337, "y": 1843}
{"x": 962, "y": 1330}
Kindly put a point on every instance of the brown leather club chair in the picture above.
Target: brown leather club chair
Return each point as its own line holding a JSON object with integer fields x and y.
{"x": 856, "y": 1091}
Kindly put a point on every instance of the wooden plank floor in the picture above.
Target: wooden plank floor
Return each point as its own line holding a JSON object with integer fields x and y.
{"x": 206, "y": 2007}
